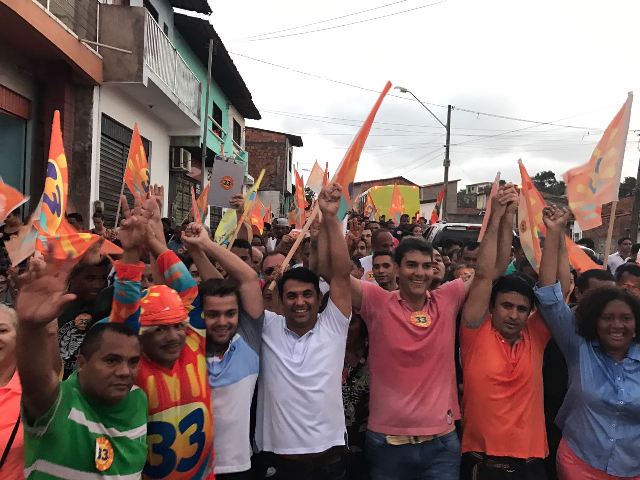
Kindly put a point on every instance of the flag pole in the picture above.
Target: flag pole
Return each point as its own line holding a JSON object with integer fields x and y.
{"x": 298, "y": 241}
{"x": 607, "y": 245}
{"x": 119, "y": 203}
{"x": 247, "y": 210}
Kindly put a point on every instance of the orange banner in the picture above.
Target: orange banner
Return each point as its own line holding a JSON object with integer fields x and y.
{"x": 346, "y": 173}
{"x": 397, "y": 205}
{"x": 300, "y": 200}
{"x": 136, "y": 174}
{"x": 597, "y": 182}
{"x": 256, "y": 216}
{"x": 10, "y": 199}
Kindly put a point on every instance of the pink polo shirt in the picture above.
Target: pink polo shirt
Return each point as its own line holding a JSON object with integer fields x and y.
{"x": 413, "y": 387}
{"x": 13, "y": 469}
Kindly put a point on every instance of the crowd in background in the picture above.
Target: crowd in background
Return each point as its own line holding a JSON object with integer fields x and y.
{"x": 370, "y": 355}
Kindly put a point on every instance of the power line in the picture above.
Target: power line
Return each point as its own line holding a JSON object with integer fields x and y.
{"x": 324, "y": 21}
{"x": 460, "y": 109}
{"x": 348, "y": 24}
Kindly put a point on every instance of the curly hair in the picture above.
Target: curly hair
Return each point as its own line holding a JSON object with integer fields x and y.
{"x": 593, "y": 304}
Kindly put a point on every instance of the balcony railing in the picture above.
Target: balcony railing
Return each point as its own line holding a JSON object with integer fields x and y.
{"x": 79, "y": 16}
{"x": 239, "y": 152}
{"x": 164, "y": 60}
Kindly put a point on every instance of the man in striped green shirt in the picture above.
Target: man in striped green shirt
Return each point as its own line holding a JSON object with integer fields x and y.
{"x": 94, "y": 424}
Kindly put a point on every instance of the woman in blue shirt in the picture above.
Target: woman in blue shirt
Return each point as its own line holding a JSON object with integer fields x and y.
{"x": 600, "y": 416}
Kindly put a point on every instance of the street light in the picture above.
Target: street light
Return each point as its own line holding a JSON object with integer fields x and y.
{"x": 446, "y": 162}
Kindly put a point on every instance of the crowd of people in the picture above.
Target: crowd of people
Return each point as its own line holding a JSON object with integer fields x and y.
{"x": 371, "y": 355}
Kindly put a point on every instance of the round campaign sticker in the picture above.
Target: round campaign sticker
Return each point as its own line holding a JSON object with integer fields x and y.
{"x": 104, "y": 454}
{"x": 226, "y": 182}
{"x": 370, "y": 276}
{"x": 421, "y": 319}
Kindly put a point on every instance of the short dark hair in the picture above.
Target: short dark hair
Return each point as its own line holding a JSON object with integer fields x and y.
{"x": 450, "y": 242}
{"x": 405, "y": 215}
{"x": 591, "y": 306}
{"x": 93, "y": 338}
{"x": 377, "y": 233}
{"x": 587, "y": 242}
{"x": 301, "y": 274}
{"x": 356, "y": 261}
{"x": 471, "y": 245}
{"x": 513, "y": 283}
{"x": 582, "y": 283}
{"x": 241, "y": 243}
{"x": 98, "y": 214}
{"x": 630, "y": 268}
{"x": 622, "y": 239}
{"x": 77, "y": 216}
{"x": 635, "y": 248}
{"x": 219, "y": 287}
{"x": 381, "y": 253}
{"x": 412, "y": 244}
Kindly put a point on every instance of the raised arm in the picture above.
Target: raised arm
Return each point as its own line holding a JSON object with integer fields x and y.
{"x": 340, "y": 264}
{"x": 125, "y": 306}
{"x": 564, "y": 270}
{"x": 206, "y": 269}
{"x": 238, "y": 270}
{"x": 505, "y": 237}
{"x": 42, "y": 298}
{"x": 477, "y": 304}
{"x": 555, "y": 219}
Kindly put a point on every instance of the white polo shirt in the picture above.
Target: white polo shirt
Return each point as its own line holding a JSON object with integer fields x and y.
{"x": 300, "y": 386}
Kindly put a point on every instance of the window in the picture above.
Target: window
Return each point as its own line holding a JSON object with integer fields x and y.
{"x": 237, "y": 133}
{"x": 217, "y": 116}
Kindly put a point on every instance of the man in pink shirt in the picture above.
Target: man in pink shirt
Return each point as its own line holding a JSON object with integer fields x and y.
{"x": 414, "y": 397}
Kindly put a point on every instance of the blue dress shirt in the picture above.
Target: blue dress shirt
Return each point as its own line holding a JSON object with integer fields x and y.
{"x": 600, "y": 416}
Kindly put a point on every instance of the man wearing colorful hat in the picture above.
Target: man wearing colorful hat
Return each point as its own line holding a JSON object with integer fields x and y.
{"x": 173, "y": 369}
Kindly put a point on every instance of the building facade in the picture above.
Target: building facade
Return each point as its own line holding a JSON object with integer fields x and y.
{"x": 107, "y": 64}
{"x": 273, "y": 152}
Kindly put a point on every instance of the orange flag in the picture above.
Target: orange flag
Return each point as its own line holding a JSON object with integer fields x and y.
{"x": 10, "y": 199}
{"x": 268, "y": 214}
{"x": 595, "y": 183}
{"x": 300, "y": 200}
{"x": 53, "y": 204}
{"x": 487, "y": 209}
{"x": 531, "y": 227}
{"x": 397, "y": 204}
{"x": 325, "y": 180}
{"x": 369, "y": 209}
{"x": 136, "y": 175}
{"x": 346, "y": 173}
{"x": 256, "y": 216}
{"x": 436, "y": 208}
{"x": 199, "y": 206}
{"x": 316, "y": 178}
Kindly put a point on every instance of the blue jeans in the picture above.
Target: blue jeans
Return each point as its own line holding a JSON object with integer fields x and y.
{"x": 438, "y": 459}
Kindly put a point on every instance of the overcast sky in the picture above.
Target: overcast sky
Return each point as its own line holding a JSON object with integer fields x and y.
{"x": 569, "y": 62}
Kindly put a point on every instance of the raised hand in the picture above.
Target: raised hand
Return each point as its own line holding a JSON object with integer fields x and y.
{"x": 555, "y": 218}
{"x": 151, "y": 210}
{"x": 157, "y": 192}
{"x": 133, "y": 232}
{"x": 237, "y": 203}
{"x": 329, "y": 199}
{"x": 195, "y": 236}
{"x": 43, "y": 294}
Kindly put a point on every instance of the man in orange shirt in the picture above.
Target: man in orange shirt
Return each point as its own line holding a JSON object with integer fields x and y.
{"x": 502, "y": 347}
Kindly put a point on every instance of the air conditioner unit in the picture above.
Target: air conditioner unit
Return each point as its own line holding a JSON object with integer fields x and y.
{"x": 180, "y": 159}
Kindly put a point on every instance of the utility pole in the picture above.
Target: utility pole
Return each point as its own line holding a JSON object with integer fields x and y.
{"x": 447, "y": 163}
{"x": 633, "y": 230}
{"x": 206, "y": 116}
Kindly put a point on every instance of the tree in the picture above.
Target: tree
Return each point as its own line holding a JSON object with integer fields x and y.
{"x": 546, "y": 182}
{"x": 627, "y": 186}
{"x": 466, "y": 200}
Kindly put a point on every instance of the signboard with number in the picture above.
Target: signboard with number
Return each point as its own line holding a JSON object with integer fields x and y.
{"x": 226, "y": 181}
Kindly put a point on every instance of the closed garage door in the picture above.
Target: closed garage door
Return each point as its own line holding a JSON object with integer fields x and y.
{"x": 115, "y": 139}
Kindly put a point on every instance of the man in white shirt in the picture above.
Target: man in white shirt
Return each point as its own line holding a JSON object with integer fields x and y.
{"x": 300, "y": 416}
{"x": 615, "y": 260}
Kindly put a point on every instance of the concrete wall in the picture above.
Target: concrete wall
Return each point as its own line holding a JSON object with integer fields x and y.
{"x": 127, "y": 111}
{"x": 122, "y": 27}
{"x": 165, "y": 13}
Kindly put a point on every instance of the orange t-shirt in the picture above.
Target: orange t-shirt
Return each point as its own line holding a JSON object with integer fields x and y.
{"x": 13, "y": 469}
{"x": 503, "y": 402}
